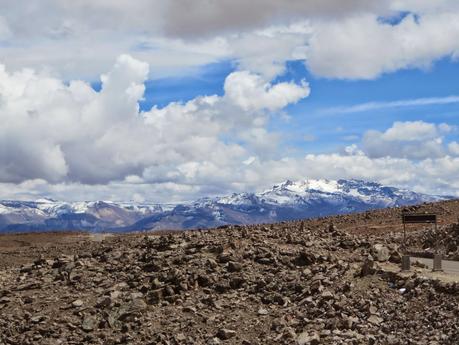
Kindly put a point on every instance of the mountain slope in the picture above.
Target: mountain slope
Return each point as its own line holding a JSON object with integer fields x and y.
{"x": 286, "y": 201}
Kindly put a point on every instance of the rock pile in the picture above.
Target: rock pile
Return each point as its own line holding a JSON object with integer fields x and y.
{"x": 289, "y": 283}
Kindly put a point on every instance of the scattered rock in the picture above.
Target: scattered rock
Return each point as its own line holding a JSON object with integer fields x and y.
{"x": 286, "y": 283}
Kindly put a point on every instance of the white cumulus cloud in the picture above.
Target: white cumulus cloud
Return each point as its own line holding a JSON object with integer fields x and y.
{"x": 364, "y": 47}
{"x": 252, "y": 93}
{"x": 68, "y": 133}
{"x": 412, "y": 139}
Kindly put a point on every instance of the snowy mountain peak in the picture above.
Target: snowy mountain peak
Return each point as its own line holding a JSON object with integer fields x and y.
{"x": 306, "y": 191}
{"x": 323, "y": 185}
{"x": 45, "y": 201}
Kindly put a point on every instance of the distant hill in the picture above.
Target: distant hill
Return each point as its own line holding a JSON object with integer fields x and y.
{"x": 286, "y": 201}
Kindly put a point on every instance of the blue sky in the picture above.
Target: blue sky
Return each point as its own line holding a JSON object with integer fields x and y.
{"x": 316, "y": 112}
{"x": 163, "y": 103}
{"x": 314, "y": 117}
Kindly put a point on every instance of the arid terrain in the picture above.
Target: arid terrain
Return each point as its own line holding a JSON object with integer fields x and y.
{"x": 331, "y": 280}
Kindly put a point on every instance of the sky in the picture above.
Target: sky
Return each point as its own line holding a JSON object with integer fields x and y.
{"x": 169, "y": 101}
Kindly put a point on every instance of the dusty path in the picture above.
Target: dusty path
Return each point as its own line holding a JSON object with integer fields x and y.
{"x": 449, "y": 267}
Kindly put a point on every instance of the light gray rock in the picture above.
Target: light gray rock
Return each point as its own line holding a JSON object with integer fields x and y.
{"x": 77, "y": 303}
{"x": 89, "y": 323}
{"x": 308, "y": 339}
{"x": 381, "y": 252}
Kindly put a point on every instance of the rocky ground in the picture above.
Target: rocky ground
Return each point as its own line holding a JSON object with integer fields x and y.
{"x": 320, "y": 281}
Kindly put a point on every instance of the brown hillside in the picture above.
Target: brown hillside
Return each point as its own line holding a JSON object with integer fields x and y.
{"x": 323, "y": 281}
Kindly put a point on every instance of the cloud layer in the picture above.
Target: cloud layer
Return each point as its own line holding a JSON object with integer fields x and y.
{"x": 364, "y": 47}
{"x": 80, "y": 38}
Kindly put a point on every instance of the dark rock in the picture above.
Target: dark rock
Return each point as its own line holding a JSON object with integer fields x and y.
{"x": 226, "y": 334}
{"x": 234, "y": 266}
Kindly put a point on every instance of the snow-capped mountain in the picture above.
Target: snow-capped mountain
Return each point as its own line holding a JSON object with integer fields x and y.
{"x": 286, "y": 201}
{"x": 309, "y": 191}
{"x": 47, "y": 214}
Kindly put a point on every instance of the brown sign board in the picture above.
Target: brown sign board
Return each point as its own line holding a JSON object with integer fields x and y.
{"x": 419, "y": 218}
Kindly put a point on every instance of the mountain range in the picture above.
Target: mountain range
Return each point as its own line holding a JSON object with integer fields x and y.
{"x": 285, "y": 201}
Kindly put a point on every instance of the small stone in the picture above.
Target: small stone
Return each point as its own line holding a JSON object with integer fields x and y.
{"x": 136, "y": 295}
{"x": 77, "y": 303}
{"x": 155, "y": 296}
{"x": 26, "y": 268}
{"x": 180, "y": 337}
{"x": 37, "y": 318}
{"x": 115, "y": 294}
{"x": 263, "y": 311}
{"x": 306, "y": 339}
{"x": 234, "y": 266}
{"x": 327, "y": 295}
{"x": 214, "y": 341}
{"x": 226, "y": 334}
{"x": 395, "y": 257}
{"x": 4, "y": 300}
{"x": 89, "y": 323}
{"x": 103, "y": 302}
{"x": 189, "y": 309}
{"x": 367, "y": 267}
{"x": 381, "y": 252}
{"x": 375, "y": 320}
{"x": 224, "y": 258}
{"x": 212, "y": 263}
{"x": 137, "y": 305}
{"x": 28, "y": 300}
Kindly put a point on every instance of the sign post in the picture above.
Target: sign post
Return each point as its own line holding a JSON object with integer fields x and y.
{"x": 420, "y": 218}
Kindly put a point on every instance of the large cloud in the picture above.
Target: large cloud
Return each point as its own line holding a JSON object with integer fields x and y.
{"x": 71, "y": 133}
{"x": 364, "y": 47}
